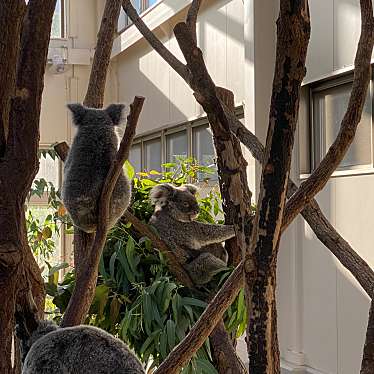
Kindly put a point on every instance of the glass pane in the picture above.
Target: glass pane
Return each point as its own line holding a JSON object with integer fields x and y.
{"x": 151, "y": 2}
{"x": 328, "y": 111}
{"x": 48, "y": 169}
{"x": 176, "y": 146}
{"x": 152, "y": 155}
{"x": 203, "y": 149}
{"x": 56, "y": 31}
{"x": 135, "y": 157}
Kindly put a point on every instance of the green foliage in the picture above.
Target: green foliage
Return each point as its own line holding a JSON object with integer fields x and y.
{"x": 136, "y": 297}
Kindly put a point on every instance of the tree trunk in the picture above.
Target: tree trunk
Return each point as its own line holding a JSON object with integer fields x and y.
{"x": 19, "y": 163}
{"x": 292, "y": 42}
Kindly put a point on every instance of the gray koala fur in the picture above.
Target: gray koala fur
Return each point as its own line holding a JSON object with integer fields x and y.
{"x": 77, "y": 350}
{"x": 176, "y": 208}
{"x": 92, "y": 153}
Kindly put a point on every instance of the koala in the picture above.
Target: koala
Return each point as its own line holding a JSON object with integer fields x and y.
{"x": 74, "y": 350}
{"x": 92, "y": 153}
{"x": 176, "y": 208}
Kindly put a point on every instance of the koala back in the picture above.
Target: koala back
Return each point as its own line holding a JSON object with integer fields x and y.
{"x": 91, "y": 155}
{"x": 80, "y": 350}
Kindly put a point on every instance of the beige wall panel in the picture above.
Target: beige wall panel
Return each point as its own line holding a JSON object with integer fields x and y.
{"x": 321, "y": 45}
{"x": 354, "y": 218}
{"x": 320, "y": 303}
{"x": 82, "y": 23}
{"x": 235, "y": 49}
{"x": 353, "y": 310}
{"x": 141, "y": 72}
{"x": 346, "y": 31}
{"x": 53, "y": 120}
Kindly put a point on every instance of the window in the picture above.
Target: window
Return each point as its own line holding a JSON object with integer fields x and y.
{"x": 58, "y": 23}
{"x": 140, "y": 6}
{"x": 176, "y": 146}
{"x": 152, "y": 154}
{"x": 327, "y": 105}
{"x": 135, "y": 157}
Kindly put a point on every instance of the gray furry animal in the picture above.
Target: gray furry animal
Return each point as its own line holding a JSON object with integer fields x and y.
{"x": 75, "y": 350}
{"x": 92, "y": 153}
{"x": 176, "y": 208}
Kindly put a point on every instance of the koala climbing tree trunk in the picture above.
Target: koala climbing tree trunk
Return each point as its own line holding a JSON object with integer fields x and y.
{"x": 23, "y": 50}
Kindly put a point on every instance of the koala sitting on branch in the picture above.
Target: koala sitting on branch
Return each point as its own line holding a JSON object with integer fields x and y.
{"x": 90, "y": 157}
{"x": 73, "y": 350}
{"x": 176, "y": 208}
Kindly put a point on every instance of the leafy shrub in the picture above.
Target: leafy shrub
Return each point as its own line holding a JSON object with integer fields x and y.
{"x": 137, "y": 298}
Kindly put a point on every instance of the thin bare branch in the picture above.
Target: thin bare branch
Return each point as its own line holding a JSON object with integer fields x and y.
{"x": 108, "y": 26}
{"x": 192, "y": 17}
{"x": 83, "y": 293}
{"x": 177, "y": 65}
{"x": 351, "y": 119}
{"x": 172, "y": 256}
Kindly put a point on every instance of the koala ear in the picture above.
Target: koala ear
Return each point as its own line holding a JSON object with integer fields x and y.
{"x": 114, "y": 111}
{"x": 190, "y": 188}
{"x": 78, "y": 111}
{"x": 163, "y": 190}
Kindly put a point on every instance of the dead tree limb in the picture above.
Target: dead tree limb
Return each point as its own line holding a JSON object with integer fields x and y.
{"x": 367, "y": 365}
{"x": 108, "y": 27}
{"x": 85, "y": 284}
{"x": 177, "y": 65}
{"x": 191, "y": 19}
{"x": 351, "y": 119}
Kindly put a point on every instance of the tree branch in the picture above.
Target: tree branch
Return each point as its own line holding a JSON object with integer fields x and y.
{"x": 177, "y": 65}
{"x": 172, "y": 257}
{"x": 338, "y": 149}
{"x": 211, "y": 316}
{"x": 192, "y": 17}
{"x": 83, "y": 293}
{"x": 96, "y": 86}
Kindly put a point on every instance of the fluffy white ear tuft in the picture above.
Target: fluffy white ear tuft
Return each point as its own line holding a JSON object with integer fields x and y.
{"x": 161, "y": 191}
{"x": 114, "y": 111}
{"x": 190, "y": 188}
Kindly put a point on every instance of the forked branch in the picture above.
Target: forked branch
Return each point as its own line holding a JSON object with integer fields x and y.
{"x": 192, "y": 17}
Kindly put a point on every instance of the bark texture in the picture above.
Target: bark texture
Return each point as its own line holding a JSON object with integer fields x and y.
{"x": 11, "y": 17}
{"x": 84, "y": 289}
{"x": 19, "y": 163}
{"x": 108, "y": 27}
{"x": 293, "y": 32}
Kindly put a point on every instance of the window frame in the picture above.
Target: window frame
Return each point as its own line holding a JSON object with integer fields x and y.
{"x": 63, "y": 36}
{"x": 162, "y": 133}
{"x": 144, "y": 8}
{"x": 318, "y": 151}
